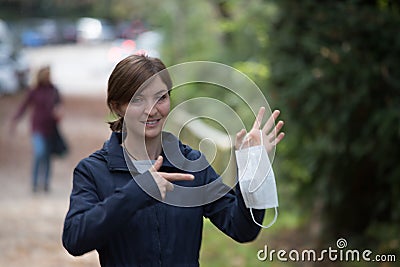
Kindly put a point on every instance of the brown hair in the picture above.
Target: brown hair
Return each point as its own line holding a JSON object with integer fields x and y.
{"x": 43, "y": 76}
{"x": 127, "y": 77}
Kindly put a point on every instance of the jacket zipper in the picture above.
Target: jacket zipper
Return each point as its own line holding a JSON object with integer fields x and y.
{"x": 159, "y": 235}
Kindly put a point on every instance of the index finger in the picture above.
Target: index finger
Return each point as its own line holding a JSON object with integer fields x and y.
{"x": 157, "y": 165}
{"x": 259, "y": 117}
{"x": 271, "y": 121}
{"x": 176, "y": 176}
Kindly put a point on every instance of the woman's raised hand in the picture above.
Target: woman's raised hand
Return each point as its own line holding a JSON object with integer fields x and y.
{"x": 164, "y": 179}
{"x": 271, "y": 135}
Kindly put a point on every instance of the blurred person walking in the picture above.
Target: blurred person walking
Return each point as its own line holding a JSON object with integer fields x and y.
{"x": 46, "y": 111}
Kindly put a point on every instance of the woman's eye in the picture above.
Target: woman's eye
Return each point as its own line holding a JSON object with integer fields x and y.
{"x": 163, "y": 97}
{"x": 136, "y": 100}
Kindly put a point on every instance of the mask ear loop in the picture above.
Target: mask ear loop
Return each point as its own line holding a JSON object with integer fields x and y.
{"x": 270, "y": 224}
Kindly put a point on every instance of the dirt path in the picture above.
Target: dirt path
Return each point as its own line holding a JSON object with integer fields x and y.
{"x": 31, "y": 224}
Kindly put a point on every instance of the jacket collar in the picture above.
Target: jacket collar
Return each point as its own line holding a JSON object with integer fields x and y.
{"x": 114, "y": 154}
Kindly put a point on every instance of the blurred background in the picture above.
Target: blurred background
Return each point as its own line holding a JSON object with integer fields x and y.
{"x": 331, "y": 67}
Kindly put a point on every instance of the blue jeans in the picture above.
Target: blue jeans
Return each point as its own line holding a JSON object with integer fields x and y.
{"x": 41, "y": 161}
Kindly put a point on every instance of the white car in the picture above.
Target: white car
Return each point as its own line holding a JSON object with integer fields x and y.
{"x": 9, "y": 83}
{"x": 14, "y": 69}
{"x": 93, "y": 30}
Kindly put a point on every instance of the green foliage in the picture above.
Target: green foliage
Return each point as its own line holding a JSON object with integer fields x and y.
{"x": 190, "y": 32}
{"x": 19, "y": 9}
{"x": 331, "y": 68}
{"x": 335, "y": 71}
{"x": 219, "y": 250}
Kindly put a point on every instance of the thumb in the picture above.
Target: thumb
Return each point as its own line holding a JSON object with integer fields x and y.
{"x": 239, "y": 138}
{"x": 157, "y": 165}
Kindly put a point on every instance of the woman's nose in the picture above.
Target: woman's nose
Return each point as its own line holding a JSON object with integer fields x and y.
{"x": 150, "y": 108}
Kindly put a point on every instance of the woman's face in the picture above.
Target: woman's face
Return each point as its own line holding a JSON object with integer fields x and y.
{"x": 146, "y": 113}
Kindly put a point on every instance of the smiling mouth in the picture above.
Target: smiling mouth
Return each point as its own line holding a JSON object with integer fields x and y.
{"x": 151, "y": 122}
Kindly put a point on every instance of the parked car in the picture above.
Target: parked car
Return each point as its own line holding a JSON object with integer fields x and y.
{"x": 34, "y": 32}
{"x": 8, "y": 78}
{"x": 130, "y": 29}
{"x": 14, "y": 68}
{"x": 68, "y": 31}
{"x": 6, "y": 40}
{"x": 93, "y": 30}
{"x": 148, "y": 43}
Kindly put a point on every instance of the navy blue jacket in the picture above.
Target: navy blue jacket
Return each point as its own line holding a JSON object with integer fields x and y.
{"x": 111, "y": 213}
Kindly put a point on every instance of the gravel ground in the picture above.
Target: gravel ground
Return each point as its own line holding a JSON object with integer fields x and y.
{"x": 31, "y": 224}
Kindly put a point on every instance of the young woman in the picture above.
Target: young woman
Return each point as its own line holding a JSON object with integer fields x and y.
{"x": 45, "y": 101}
{"x": 119, "y": 207}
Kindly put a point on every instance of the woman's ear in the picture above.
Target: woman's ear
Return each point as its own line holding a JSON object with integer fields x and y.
{"x": 116, "y": 108}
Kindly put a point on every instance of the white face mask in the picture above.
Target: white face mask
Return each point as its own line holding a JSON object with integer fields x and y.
{"x": 257, "y": 180}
